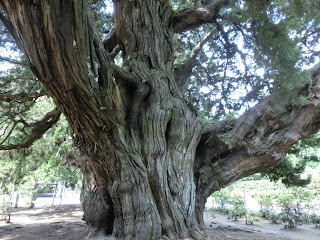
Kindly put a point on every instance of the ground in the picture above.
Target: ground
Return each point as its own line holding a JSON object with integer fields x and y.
{"x": 65, "y": 222}
{"x": 220, "y": 228}
{"x": 49, "y": 223}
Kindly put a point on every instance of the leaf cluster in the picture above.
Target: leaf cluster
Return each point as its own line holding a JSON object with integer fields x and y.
{"x": 289, "y": 172}
{"x": 259, "y": 47}
{"x": 22, "y": 168}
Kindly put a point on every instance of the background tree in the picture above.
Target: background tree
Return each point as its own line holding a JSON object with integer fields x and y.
{"x": 131, "y": 99}
{"x": 44, "y": 161}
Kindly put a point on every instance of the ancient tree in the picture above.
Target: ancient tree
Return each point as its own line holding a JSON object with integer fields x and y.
{"x": 149, "y": 161}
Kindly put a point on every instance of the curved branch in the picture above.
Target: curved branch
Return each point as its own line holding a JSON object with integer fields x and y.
{"x": 257, "y": 140}
{"x": 110, "y": 41}
{"x": 69, "y": 58}
{"x": 21, "y": 96}
{"x": 189, "y": 19}
{"x": 183, "y": 73}
{"x": 123, "y": 76}
{"x": 38, "y": 129}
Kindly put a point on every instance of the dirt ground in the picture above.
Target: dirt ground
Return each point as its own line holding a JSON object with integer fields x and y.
{"x": 45, "y": 223}
{"x": 64, "y": 222}
{"x": 220, "y": 228}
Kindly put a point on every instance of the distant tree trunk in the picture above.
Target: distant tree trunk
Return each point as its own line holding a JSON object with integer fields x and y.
{"x": 151, "y": 162}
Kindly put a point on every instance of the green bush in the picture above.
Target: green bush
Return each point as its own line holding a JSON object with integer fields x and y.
{"x": 291, "y": 215}
{"x": 222, "y": 198}
{"x": 266, "y": 205}
{"x": 5, "y": 211}
{"x": 238, "y": 209}
{"x": 274, "y": 217}
{"x": 315, "y": 219}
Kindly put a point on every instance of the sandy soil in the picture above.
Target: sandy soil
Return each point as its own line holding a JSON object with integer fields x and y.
{"x": 47, "y": 223}
{"x": 64, "y": 222}
{"x": 220, "y": 228}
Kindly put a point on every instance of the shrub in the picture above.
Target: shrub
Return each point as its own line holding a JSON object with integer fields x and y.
{"x": 274, "y": 217}
{"x": 315, "y": 219}
{"x": 5, "y": 211}
{"x": 222, "y": 198}
{"x": 237, "y": 210}
{"x": 266, "y": 205}
{"x": 290, "y": 214}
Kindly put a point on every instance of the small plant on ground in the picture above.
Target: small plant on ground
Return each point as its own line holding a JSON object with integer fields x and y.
{"x": 250, "y": 217}
{"x": 290, "y": 213}
{"x": 266, "y": 205}
{"x": 222, "y": 199}
{"x": 238, "y": 208}
{"x": 315, "y": 219}
{"x": 274, "y": 217}
{"x": 5, "y": 211}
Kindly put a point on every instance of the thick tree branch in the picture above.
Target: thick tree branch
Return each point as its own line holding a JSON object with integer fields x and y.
{"x": 38, "y": 129}
{"x": 182, "y": 73}
{"x": 69, "y": 58}
{"x": 189, "y": 19}
{"x": 257, "y": 140}
{"x": 123, "y": 76}
{"x": 21, "y": 96}
{"x": 110, "y": 41}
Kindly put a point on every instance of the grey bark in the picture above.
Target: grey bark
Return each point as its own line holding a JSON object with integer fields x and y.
{"x": 150, "y": 164}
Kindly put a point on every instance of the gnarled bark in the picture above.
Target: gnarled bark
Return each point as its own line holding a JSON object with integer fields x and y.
{"x": 149, "y": 163}
{"x": 189, "y": 19}
{"x": 139, "y": 138}
{"x": 257, "y": 140}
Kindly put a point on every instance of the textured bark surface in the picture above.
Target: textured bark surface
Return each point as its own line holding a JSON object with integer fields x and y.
{"x": 257, "y": 140}
{"x": 149, "y": 164}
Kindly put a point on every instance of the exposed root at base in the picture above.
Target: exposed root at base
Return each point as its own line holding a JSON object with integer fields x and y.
{"x": 198, "y": 234}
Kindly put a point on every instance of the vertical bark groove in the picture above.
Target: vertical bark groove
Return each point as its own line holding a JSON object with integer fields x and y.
{"x": 151, "y": 162}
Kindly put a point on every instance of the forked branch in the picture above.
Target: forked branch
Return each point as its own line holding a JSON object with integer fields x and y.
{"x": 183, "y": 73}
{"x": 21, "y": 96}
{"x": 189, "y": 19}
{"x": 37, "y": 131}
{"x": 257, "y": 140}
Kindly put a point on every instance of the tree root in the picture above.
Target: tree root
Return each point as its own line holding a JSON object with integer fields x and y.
{"x": 198, "y": 234}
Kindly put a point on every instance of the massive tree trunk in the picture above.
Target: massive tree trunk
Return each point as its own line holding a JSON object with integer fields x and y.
{"x": 150, "y": 162}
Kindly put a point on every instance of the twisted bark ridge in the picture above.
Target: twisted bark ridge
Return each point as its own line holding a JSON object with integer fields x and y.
{"x": 148, "y": 163}
{"x": 257, "y": 140}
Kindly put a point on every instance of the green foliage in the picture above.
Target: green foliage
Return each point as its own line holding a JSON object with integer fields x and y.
{"x": 291, "y": 214}
{"x": 266, "y": 205}
{"x": 22, "y": 168}
{"x": 249, "y": 218}
{"x": 103, "y": 19}
{"x": 222, "y": 198}
{"x": 274, "y": 217}
{"x": 267, "y": 210}
{"x": 181, "y": 4}
{"x": 291, "y": 206}
{"x": 289, "y": 172}
{"x": 5, "y": 210}
{"x": 315, "y": 219}
{"x": 277, "y": 38}
{"x": 238, "y": 208}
